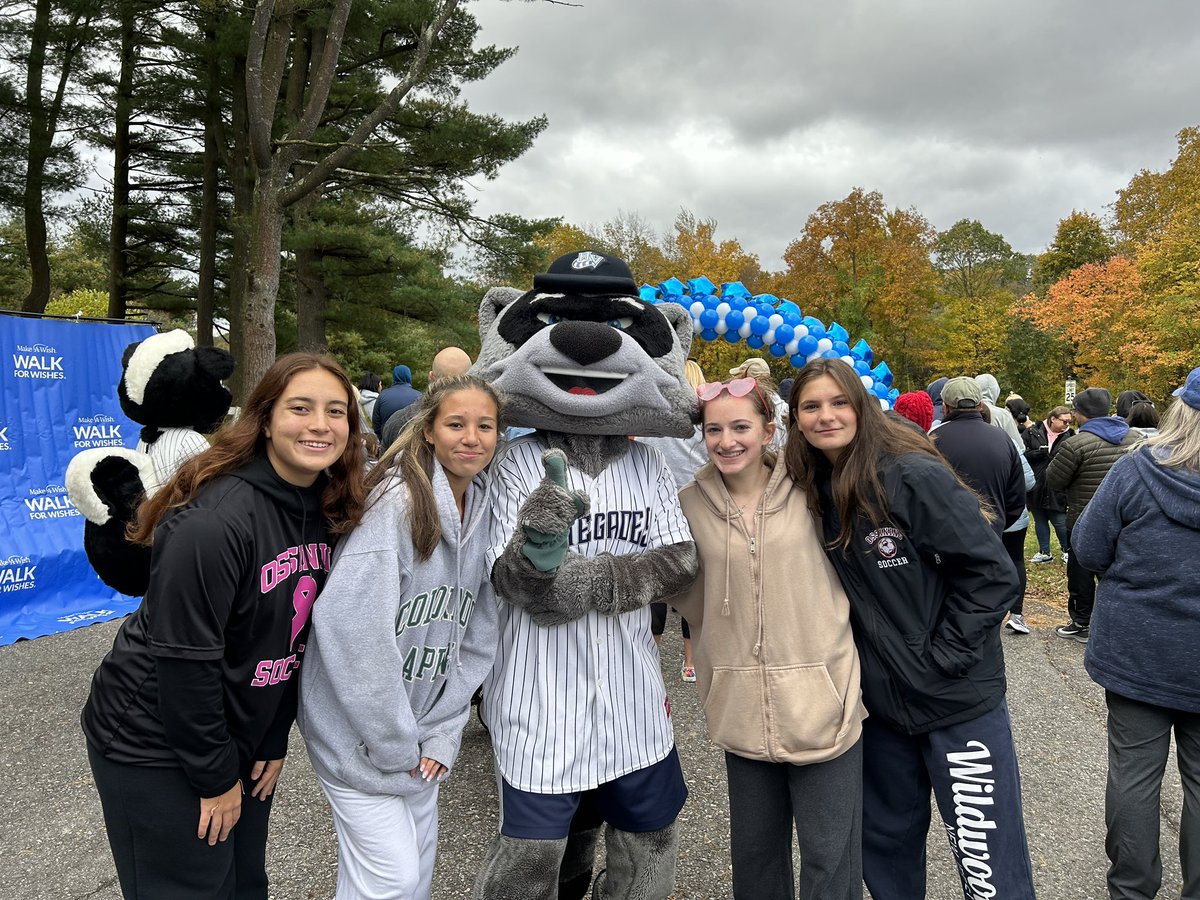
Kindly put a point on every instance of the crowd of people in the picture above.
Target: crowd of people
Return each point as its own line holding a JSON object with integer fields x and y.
{"x": 845, "y": 687}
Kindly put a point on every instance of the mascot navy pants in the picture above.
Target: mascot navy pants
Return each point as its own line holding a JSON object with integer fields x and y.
{"x": 971, "y": 768}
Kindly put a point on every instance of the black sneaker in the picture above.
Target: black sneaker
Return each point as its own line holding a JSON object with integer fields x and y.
{"x": 1074, "y": 631}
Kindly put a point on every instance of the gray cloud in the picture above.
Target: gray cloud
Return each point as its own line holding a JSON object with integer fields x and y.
{"x": 755, "y": 114}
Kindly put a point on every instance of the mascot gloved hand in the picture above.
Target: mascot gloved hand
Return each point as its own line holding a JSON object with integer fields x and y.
{"x": 589, "y": 533}
{"x": 174, "y": 390}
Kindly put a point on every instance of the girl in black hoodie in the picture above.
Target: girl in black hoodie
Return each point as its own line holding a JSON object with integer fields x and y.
{"x": 191, "y": 709}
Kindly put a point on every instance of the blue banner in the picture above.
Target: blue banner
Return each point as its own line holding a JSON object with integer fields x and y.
{"x": 58, "y": 396}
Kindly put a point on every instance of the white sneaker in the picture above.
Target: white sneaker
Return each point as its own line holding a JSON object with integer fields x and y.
{"x": 1041, "y": 558}
{"x": 1016, "y": 622}
{"x": 1065, "y": 555}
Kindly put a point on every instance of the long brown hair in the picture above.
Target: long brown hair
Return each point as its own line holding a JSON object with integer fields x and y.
{"x": 410, "y": 459}
{"x": 856, "y": 482}
{"x": 237, "y": 444}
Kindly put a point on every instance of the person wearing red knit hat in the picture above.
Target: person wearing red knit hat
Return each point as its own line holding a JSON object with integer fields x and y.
{"x": 916, "y": 407}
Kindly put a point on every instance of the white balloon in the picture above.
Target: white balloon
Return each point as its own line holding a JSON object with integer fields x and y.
{"x": 769, "y": 338}
{"x": 722, "y": 327}
{"x": 776, "y": 320}
{"x": 868, "y": 381}
{"x": 792, "y": 347}
{"x": 696, "y": 308}
{"x": 723, "y": 309}
{"x": 744, "y": 331}
{"x": 749, "y": 312}
{"x": 801, "y": 330}
{"x": 816, "y": 354}
{"x": 824, "y": 344}
{"x": 848, "y": 360}
{"x": 883, "y": 403}
{"x": 696, "y": 326}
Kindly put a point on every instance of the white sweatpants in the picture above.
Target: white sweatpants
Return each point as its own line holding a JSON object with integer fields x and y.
{"x": 386, "y": 844}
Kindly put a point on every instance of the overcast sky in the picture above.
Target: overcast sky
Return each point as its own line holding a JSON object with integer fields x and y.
{"x": 755, "y": 113}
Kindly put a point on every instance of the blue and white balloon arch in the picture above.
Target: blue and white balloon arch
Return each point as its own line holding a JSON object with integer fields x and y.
{"x": 733, "y": 314}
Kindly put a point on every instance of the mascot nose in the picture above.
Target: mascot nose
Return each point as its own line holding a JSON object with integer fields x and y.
{"x": 585, "y": 342}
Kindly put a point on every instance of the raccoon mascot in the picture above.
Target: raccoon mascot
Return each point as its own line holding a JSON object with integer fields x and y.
{"x": 589, "y": 533}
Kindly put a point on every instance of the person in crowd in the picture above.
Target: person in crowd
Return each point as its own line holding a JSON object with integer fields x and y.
{"x": 779, "y": 675}
{"x": 1013, "y": 539}
{"x": 1142, "y": 522}
{"x": 1077, "y": 468}
{"x": 1048, "y": 507}
{"x": 403, "y": 634}
{"x": 394, "y": 398}
{"x": 1018, "y": 408}
{"x": 758, "y": 369}
{"x": 917, "y": 408}
{"x": 1125, "y": 401}
{"x": 684, "y": 456}
{"x": 981, "y": 455}
{"x": 188, "y": 717}
{"x": 935, "y": 396}
{"x": 447, "y": 363}
{"x": 785, "y": 392}
{"x": 368, "y": 391}
{"x": 1143, "y": 418}
{"x": 1000, "y": 417}
{"x": 929, "y": 583}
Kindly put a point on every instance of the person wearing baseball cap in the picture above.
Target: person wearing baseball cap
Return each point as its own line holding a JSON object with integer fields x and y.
{"x": 1078, "y": 468}
{"x": 1141, "y": 530}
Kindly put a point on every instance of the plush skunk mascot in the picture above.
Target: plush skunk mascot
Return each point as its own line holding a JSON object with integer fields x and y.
{"x": 173, "y": 389}
{"x": 589, "y": 533}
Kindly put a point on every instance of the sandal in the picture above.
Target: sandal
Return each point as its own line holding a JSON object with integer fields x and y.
{"x": 688, "y": 673}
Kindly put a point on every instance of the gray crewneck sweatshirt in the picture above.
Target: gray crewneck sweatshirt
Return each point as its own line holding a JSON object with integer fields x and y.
{"x": 399, "y": 646}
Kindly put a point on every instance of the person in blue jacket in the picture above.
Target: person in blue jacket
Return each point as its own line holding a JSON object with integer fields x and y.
{"x": 1140, "y": 531}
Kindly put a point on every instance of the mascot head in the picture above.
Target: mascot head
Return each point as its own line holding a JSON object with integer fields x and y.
{"x": 169, "y": 382}
{"x": 582, "y": 353}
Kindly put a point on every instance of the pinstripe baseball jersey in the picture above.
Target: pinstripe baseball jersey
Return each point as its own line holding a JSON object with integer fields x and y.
{"x": 174, "y": 447}
{"x": 576, "y": 705}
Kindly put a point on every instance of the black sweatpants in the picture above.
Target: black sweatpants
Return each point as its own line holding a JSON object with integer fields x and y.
{"x": 1014, "y": 543}
{"x": 152, "y": 815}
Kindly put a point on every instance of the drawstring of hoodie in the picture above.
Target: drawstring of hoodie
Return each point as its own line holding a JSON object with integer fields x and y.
{"x": 730, "y": 514}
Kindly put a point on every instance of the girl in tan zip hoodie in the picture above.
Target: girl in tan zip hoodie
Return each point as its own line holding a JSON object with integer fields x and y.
{"x": 777, "y": 670}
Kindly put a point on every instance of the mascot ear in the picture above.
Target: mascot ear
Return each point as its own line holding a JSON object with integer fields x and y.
{"x": 681, "y": 321}
{"x": 493, "y": 304}
{"x": 214, "y": 362}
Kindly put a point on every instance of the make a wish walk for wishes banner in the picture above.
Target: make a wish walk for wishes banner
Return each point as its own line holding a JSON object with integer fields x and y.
{"x": 58, "y": 395}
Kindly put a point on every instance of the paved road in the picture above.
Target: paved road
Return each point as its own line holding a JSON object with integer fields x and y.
{"x": 53, "y": 845}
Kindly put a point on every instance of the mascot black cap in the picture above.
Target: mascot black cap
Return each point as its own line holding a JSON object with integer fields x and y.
{"x": 586, "y": 272}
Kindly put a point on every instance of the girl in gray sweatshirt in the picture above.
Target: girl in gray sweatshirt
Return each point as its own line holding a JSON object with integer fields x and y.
{"x": 402, "y": 635}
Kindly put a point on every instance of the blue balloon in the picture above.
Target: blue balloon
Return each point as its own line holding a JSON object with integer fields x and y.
{"x": 732, "y": 336}
{"x": 838, "y": 333}
{"x": 754, "y": 342}
{"x": 708, "y": 334}
{"x": 863, "y": 350}
{"x": 883, "y": 374}
{"x": 710, "y": 301}
{"x": 672, "y": 287}
{"x": 784, "y": 333}
{"x": 778, "y": 349}
{"x": 769, "y": 299}
{"x": 862, "y": 367}
{"x": 787, "y": 306}
{"x": 734, "y": 289}
{"x": 808, "y": 344}
{"x": 792, "y": 318}
{"x": 798, "y": 360}
{"x": 893, "y": 394}
{"x": 649, "y": 293}
{"x": 830, "y": 354}
{"x": 765, "y": 309}
{"x": 702, "y": 285}
{"x": 815, "y": 328}
{"x": 759, "y": 326}
{"x": 842, "y": 348}
{"x": 709, "y": 319}
{"x": 734, "y": 320}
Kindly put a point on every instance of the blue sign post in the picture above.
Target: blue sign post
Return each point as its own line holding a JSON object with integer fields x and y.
{"x": 58, "y": 395}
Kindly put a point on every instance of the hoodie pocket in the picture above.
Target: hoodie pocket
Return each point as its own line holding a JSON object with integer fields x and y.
{"x": 733, "y": 709}
{"x": 805, "y": 711}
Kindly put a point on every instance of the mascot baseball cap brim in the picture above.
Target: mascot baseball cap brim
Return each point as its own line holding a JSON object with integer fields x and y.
{"x": 586, "y": 272}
